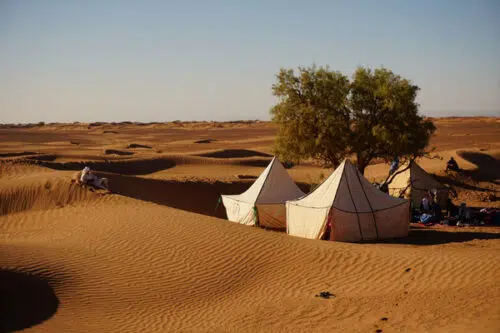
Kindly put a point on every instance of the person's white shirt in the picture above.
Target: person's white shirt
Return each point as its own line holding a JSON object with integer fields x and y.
{"x": 87, "y": 176}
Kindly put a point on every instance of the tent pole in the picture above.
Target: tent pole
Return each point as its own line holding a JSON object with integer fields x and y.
{"x": 369, "y": 204}
{"x": 353, "y": 203}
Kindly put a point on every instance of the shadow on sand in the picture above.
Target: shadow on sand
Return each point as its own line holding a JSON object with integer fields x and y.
{"x": 127, "y": 167}
{"x": 460, "y": 181}
{"x": 139, "y": 166}
{"x": 23, "y": 153}
{"x": 196, "y": 197}
{"x": 235, "y": 153}
{"x": 421, "y": 236}
{"x": 25, "y": 301}
{"x": 488, "y": 167}
{"x": 202, "y": 198}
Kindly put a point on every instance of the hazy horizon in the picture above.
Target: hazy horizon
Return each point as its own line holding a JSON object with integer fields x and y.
{"x": 162, "y": 61}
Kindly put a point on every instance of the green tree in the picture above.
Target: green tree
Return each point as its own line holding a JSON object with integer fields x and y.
{"x": 322, "y": 115}
{"x": 312, "y": 114}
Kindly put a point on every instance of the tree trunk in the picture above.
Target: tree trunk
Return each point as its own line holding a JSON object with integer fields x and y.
{"x": 361, "y": 164}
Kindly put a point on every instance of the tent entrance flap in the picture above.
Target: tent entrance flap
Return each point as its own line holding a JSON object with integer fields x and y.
{"x": 328, "y": 225}
{"x": 239, "y": 211}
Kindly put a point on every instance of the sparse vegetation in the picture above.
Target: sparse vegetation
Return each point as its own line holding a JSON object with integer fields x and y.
{"x": 321, "y": 114}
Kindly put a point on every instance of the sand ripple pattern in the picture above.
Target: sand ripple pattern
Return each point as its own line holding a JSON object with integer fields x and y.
{"x": 124, "y": 265}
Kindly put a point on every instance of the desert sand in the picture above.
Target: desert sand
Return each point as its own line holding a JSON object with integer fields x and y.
{"x": 157, "y": 255}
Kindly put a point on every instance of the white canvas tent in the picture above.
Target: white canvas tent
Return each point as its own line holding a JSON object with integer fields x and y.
{"x": 263, "y": 203}
{"x": 414, "y": 183}
{"x": 347, "y": 207}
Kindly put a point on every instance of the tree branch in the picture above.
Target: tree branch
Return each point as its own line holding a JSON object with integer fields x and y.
{"x": 391, "y": 177}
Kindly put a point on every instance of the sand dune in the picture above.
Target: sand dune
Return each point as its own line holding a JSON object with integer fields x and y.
{"x": 155, "y": 256}
{"x": 139, "y": 166}
{"x": 176, "y": 270}
{"x": 40, "y": 191}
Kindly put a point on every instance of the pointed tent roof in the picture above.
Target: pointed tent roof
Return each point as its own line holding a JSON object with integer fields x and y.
{"x": 348, "y": 190}
{"x": 416, "y": 176}
{"x": 273, "y": 186}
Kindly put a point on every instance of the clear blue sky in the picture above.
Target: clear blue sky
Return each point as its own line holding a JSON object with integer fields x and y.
{"x": 216, "y": 60}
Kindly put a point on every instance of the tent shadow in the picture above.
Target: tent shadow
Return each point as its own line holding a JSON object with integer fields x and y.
{"x": 25, "y": 301}
{"x": 420, "y": 236}
{"x": 487, "y": 166}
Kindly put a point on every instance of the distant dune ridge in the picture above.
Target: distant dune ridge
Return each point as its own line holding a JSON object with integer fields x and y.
{"x": 158, "y": 255}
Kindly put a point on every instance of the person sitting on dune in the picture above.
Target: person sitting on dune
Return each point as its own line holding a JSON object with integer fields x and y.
{"x": 88, "y": 178}
{"x": 452, "y": 165}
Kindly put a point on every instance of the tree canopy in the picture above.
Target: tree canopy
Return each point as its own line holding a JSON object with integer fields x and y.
{"x": 321, "y": 114}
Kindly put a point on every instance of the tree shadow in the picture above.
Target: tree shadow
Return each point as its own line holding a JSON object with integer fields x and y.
{"x": 25, "y": 301}
{"x": 459, "y": 182}
{"x": 421, "y": 236}
{"x": 488, "y": 167}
